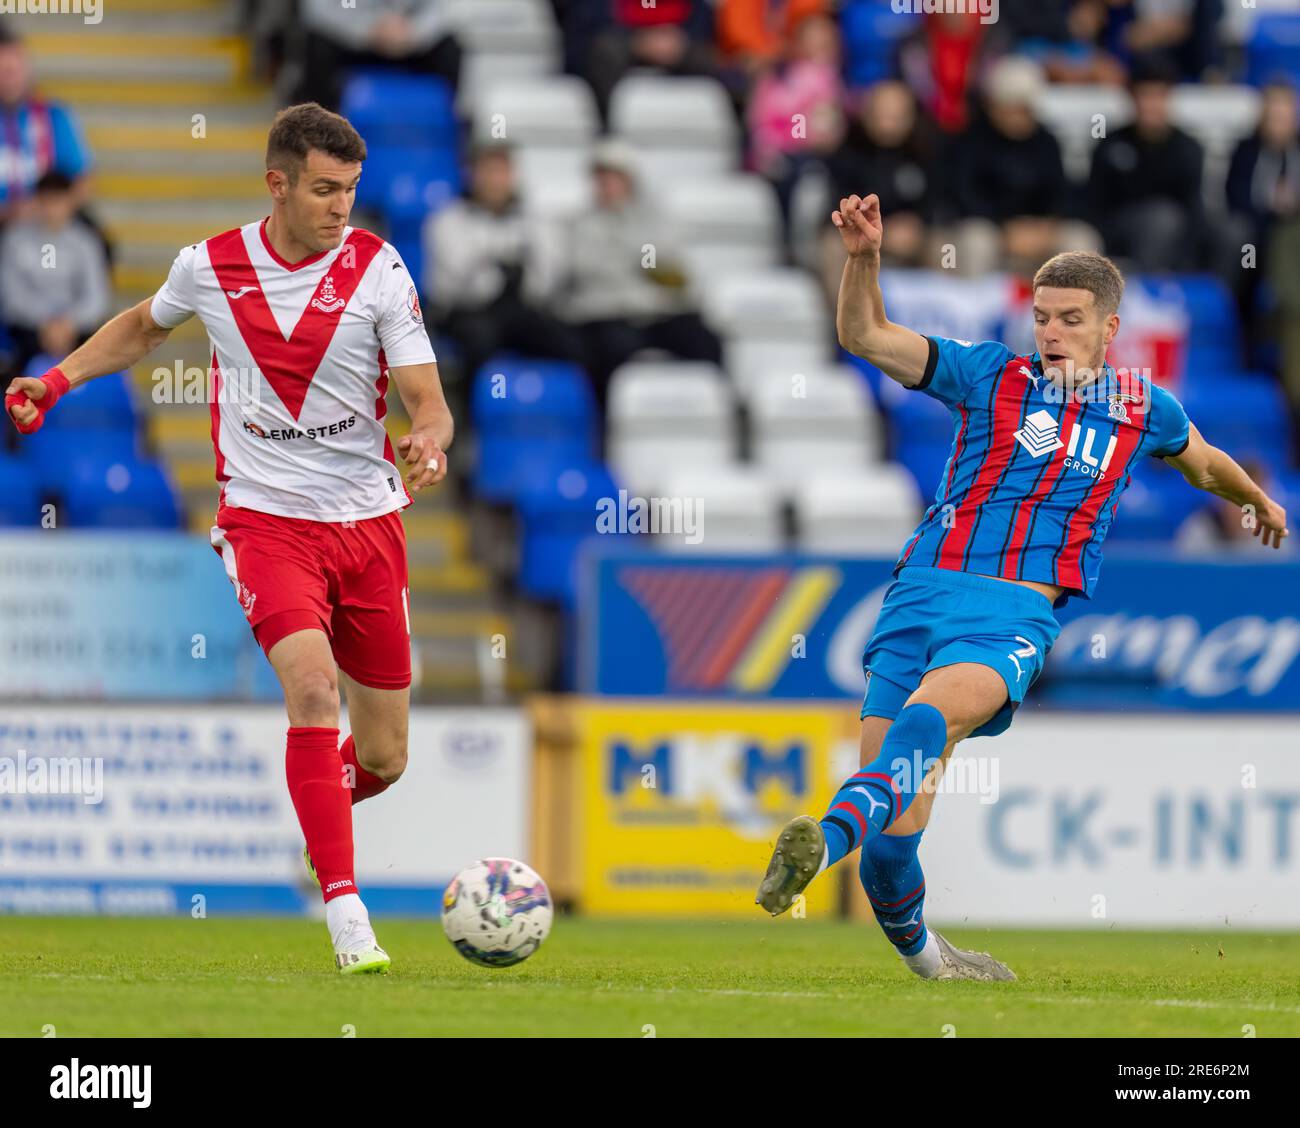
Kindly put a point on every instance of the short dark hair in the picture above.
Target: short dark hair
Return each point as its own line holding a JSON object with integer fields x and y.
{"x": 53, "y": 181}
{"x": 297, "y": 130}
{"x": 1083, "y": 270}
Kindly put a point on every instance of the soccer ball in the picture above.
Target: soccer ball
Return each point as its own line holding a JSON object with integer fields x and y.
{"x": 497, "y": 912}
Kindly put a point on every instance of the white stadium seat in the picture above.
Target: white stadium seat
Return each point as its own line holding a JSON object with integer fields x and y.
{"x": 1218, "y": 117}
{"x": 779, "y": 303}
{"x": 1070, "y": 110}
{"x": 823, "y": 420}
{"x": 659, "y": 168}
{"x": 736, "y": 215}
{"x": 736, "y": 510}
{"x": 479, "y": 70}
{"x": 750, "y": 360}
{"x": 557, "y": 111}
{"x": 555, "y": 183}
{"x": 666, "y": 417}
{"x": 516, "y": 26}
{"x": 655, "y": 112}
{"x": 872, "y": 511}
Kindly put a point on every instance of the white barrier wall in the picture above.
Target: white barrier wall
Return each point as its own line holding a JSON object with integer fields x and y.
{"x": 1172, "y": 821}
{"x": 135, "y": 809}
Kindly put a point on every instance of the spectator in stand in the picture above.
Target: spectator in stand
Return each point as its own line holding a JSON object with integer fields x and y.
{"x": 411, "y": 35}
{"x": 494, "y": 269}
{"x": 943, "y": 60}
{"x": 1072, "y": 48}
{"x": 670, "y": 37}
{"x": 795, "y": 110}
{"x": 36, "y": 136}
{"x": 620, "y": 299}
{"x": 1264, "y": 192}
{"x": 1008, "y": 185}
{"x": 888, "y": 150}
{"x": 753, "y": 34}
{"x": 54, "y": 280}
{"x": 1182, "y": 35}
{"x": 1145, "y": 188}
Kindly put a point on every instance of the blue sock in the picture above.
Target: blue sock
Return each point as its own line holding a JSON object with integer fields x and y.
{"x": 895, "y": 886}
{"x": 872, "y": 798}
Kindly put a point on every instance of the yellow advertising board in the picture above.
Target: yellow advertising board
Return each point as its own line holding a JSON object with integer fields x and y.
{"x": 680, "y": 803}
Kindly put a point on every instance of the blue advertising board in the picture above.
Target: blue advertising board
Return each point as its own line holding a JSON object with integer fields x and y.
{"x": 1160, "y": 633}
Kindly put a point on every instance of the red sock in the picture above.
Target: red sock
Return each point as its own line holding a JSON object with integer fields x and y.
{"x": 315, "y": 773}
{"x": 366, "y": 784}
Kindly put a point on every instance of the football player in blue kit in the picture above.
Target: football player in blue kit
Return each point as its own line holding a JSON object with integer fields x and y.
{"x": 1043, "y": 448}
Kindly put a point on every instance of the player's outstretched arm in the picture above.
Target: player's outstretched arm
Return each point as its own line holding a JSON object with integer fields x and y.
{"x": 860, "y": 318}
{"x": 122, "y": 342}
{"x": 1215, "y": 471}
{"x": 431, "y": 424}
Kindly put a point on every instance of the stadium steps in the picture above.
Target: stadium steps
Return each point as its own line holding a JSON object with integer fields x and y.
{"x": 154, "y": 56}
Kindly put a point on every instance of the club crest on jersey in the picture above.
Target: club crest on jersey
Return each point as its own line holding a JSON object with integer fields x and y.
{"x": 1117, "y": 410}
{"x": 1039, "y": 434}
{"x": 328, "y": 301}
{"x": 413, "y": 304}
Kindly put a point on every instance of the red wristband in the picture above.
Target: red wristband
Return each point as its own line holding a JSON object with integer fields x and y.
{"x": 56, "y": 384}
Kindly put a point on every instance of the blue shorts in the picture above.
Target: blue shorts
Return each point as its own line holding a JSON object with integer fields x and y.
{"x": 933, "y": 617}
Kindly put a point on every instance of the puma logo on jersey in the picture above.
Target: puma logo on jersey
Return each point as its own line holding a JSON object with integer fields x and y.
{"x": 233, "y": 294}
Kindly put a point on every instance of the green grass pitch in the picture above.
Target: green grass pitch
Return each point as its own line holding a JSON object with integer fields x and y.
{"x": 233, "y": 977}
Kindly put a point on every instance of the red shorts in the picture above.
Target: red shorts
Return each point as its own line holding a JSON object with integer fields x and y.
{"x": 292, "y": 574}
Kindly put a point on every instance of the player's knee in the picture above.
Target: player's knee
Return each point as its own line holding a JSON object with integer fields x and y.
{"x": 313, "y": 698}
{"x": 394, "y": 764}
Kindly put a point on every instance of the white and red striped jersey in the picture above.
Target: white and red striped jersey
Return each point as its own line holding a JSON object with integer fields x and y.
{"x": 300, "y": 357}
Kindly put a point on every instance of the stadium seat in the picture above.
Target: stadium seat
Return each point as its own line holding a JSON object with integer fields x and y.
{"x": 503, "y": 26}
{"x": 655, "y": 112}
{"x": 406, "y": 185}
{"x": 668, "y": 417}
{"x": 735, "y": 507}
{"x": 20, "y": 493}
{"x": 118, "y": 494}
{"x": 559, "y": 511}
{"x": 1154, "y": 506}
{"x": 737, "y": 215}
{"x": 871, "y": 30}
{"x": 925, "y": 459}
{"x": 749, "y": 360}
{"x": 1218, "y": 117}
{"x": 557, "y": 111}
{"x": 532, "y": 398}
{"x": 823, "y": 420}
{"x": 868, "y": 511}
{"x": 658, "y": 169}
{"x": 1274, "y": 48}
{"x": 1071, "y": 111}
{"x": 427, "y": 120}
{"x": 105, "y": 404}
{"x": 1245, "y": 413}
{"x": 555, "y": 182}
{"x": 782, "y": 304}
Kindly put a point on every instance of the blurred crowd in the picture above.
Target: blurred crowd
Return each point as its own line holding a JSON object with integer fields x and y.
{"x": 54, "y": 258}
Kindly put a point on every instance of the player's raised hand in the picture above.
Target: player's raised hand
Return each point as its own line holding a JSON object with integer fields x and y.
{"x": 860, "y": 225}
{"x": 427, "y": 462}
{"x": 1270, "y": 524}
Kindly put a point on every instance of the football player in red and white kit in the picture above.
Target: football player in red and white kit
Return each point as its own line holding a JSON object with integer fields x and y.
{"x": 308, "y": 319}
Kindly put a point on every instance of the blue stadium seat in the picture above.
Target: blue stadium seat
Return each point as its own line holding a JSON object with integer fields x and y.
{"x": 51, "y": 452}
{"x": 389, "y": 108}
{"x": 537, "y": 399}
{"x": 406, "y": 184}
{"x": 105, "y": 404}
{"x": 924, "y": 459}
{"x": 1274, "y": 48}
{"x": 1155, "y": 505}
{"x": 119, "y": 494}
{"x": 871, "y": 29}
{"x": 1245, "y": 413}
{"x": 20, "y": 493}
{"x": 558, "y": 509}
